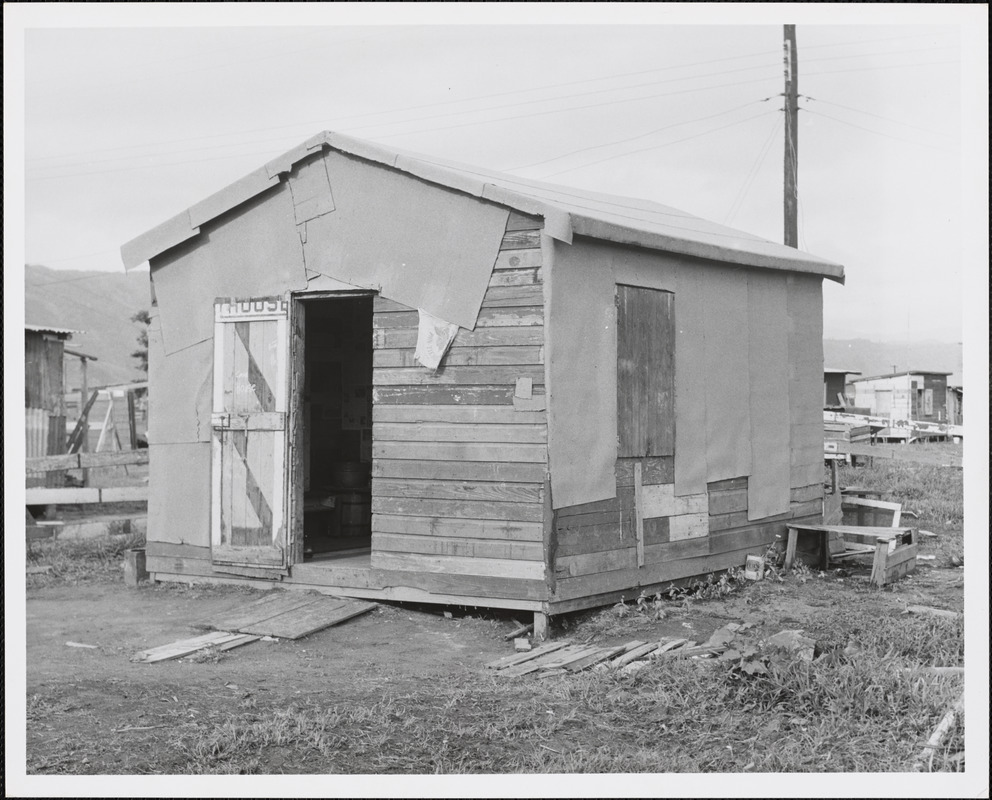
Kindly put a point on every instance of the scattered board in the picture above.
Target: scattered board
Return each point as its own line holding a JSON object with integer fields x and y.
{"x": 560, "y": 658}
{"x": 219, "y": 640}
{"x": 288, "y": 615}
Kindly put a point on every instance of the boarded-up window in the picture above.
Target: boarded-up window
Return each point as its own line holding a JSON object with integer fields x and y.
{"x": 645, "y": 372}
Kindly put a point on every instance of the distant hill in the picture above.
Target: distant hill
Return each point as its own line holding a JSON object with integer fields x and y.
{"x": 879, "y": 358}
{"x": 100, "y": 304}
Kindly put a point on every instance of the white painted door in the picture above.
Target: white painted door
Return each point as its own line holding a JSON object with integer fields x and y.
{"x": 249, "y": 433}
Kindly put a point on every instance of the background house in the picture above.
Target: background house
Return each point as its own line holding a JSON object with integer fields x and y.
{"x": 917, "y": 395}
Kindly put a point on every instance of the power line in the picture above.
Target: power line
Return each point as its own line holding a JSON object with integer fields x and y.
{"x": 471, "y": 111}
{"x": 655, "y": 147}
{"x": 751, "y": 175}
{"x": 877, "y": 133}
{"x": 426, "y": 130}
{"x": 877, "y": 116}
{"x": 574, "y": 108}
{"x": 633, "y": 138}
{"x": 424, "y": 105}
{"x": 880, "y": 67}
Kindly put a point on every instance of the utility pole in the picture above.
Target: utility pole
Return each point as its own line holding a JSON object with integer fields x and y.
{"x": 791, "y": 59}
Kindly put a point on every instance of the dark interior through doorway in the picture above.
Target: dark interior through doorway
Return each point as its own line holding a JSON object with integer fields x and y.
{"x": 337, "y": 427}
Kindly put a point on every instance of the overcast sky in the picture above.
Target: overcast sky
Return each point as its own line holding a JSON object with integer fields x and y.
{"x": 125, "y": 126}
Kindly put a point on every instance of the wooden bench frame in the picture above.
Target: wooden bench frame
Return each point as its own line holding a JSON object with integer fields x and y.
{"x": 894, "y": 549}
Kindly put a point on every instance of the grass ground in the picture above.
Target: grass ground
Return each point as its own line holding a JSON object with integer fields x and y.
{"x": 864, "y": 703}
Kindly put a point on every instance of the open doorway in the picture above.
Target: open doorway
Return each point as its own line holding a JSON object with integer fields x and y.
{"x": 336, "y": 440}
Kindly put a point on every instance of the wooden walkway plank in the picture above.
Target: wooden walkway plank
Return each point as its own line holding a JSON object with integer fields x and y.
{"x": 265, "y": 608}
{"x": 302, "y": 621}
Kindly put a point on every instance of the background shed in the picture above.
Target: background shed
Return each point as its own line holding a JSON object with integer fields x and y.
{"x": 44, "y": 396}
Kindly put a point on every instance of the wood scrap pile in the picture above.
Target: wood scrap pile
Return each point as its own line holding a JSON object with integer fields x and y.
{"x": 560, "y": 658}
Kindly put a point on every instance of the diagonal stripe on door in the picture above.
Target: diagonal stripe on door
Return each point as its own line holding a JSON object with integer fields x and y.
{"x": 256, "y": 378}
{"x": 253, "y": 491}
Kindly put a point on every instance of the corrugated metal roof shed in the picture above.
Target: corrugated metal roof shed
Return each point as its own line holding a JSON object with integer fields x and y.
{"x": 898, "y": 374}
{"x": 50, "y": 329}
{"x": 566, "y": 211}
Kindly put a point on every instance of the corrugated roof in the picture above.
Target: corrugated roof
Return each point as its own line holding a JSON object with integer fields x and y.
{"x": 566, "y": 211}
{"x": 50, "y": 329}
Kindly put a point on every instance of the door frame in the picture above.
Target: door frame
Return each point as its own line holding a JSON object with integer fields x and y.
{"x": 296, "y": 376}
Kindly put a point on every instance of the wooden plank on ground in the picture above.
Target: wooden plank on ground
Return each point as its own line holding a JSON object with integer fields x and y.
{"x": 509, "y": 661}
{"x": 271, "y": 605}
{"x": 636, "y": 653}
{"x": 302, "y": 621}
{"x": 185, "y": 647}
{"x": 546, "y": 661}
{"x": 603, "y": 654}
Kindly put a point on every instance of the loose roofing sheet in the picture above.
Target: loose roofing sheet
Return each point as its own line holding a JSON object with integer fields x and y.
{"x": 734, "y": 412}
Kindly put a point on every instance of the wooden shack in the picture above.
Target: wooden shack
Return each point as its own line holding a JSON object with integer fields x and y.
{"x": 918, "y": 395}
{"x": 838, "y": 391}
{"x": 44, "y": 397}
{"x": 382, "y": 375}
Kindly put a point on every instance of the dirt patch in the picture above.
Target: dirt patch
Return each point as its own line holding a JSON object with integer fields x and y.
{"x": 400, "y": 689}
{"x": 405, "y": 690}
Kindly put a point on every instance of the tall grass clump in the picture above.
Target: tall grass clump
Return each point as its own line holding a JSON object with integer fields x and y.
{"x": 934, "y": 494}
{"x": 82, "y": 560}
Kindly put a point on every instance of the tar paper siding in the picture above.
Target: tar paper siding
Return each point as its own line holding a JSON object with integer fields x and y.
{"x": 748, "y": 369}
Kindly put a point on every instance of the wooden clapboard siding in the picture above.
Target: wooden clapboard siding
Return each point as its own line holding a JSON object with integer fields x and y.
{"x": 514, "y": 277}
{"x": 445, "y": 395}
{"x": 458, "y": 473}
{"x": 518, "y": 259}
{"x": 459, "y": 470}
{"x": 460, "y": 375}
{"x": 456, "y": 565}
{"x": 493, "y": 530}
{"x": 520, "y": 240}
{"x": 502, "y": 336}
{"x": 469, "y": 509}
{"x": 464, "y": 356}
{"x": 673, "y": 561}
{"x": 460, "y": 451}
{"x": 534, "y": 433}
{"x": 488, "y": 318}
{"x": 457, "y": 546}
{"x": 458, "y": 490}
{"x": 493, "y": 415}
